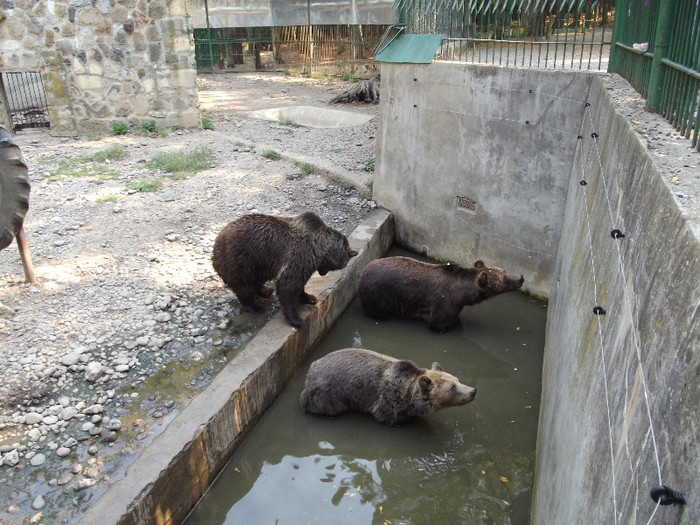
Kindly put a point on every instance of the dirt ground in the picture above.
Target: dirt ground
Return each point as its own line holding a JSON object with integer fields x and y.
{"x": 128, "y": 320}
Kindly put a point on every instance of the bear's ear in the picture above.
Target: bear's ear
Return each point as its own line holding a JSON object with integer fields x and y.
{"x": 436, "y": 366}
{"x": 479, "y": 264}
{"x": 483, "y": 279}
{"x": 425, "y": 383}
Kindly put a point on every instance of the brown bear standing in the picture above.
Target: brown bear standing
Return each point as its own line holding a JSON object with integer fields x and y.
{"x": 435, "y": 293}
{"x": 256, "y": 248}
{"x": 393, "y": 391}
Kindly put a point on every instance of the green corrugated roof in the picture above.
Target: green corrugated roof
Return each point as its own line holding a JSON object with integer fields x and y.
{"x": 409, "y": 48}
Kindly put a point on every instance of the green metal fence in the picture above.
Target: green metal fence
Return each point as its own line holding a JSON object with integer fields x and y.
{"x": 564, "y": 34}
{"x": 331, "y": 49}
{"x": 657, "y": 49}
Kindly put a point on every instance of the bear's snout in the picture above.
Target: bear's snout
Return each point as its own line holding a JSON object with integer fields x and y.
{"x": 469, "y": 395}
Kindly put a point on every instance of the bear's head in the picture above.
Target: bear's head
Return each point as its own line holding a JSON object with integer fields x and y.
{"x": 436, "y": 389}
{"x": 494, "y": 281}
{"x": 337, "y": 252}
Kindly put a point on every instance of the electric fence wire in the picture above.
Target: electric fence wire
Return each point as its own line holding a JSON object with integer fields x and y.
{"x": 602, "y": 344}
{"x": 628, "y": 302}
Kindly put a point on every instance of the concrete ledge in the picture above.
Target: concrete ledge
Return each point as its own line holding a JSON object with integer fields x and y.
{"x": 171, "y": 474}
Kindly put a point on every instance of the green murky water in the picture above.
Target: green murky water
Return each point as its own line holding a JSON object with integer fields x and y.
{"x": 464, "y": 465}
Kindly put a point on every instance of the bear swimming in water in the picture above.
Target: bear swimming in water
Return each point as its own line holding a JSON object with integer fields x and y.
{"x": 392, "y": 390}
{"x": 435, "y": 293}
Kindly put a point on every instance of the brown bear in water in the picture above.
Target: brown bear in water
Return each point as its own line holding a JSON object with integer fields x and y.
{"x": 256, "y": 248}
{"x": 435, "y": 293}
{"x": 392, "y": 390}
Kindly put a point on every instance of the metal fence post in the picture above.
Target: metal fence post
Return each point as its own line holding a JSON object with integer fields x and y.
{"x": 660, "y": 51}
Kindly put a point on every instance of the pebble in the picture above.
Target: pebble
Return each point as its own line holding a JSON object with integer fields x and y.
{"x": 38, "y": 459}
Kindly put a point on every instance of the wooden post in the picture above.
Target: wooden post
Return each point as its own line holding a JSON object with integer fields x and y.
{"x": 24, "y": 254}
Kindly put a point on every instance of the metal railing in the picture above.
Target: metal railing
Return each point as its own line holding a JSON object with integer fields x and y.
{"x": 657, "y": 49}
{"x": 564, "y": 34}
{"x": 330, "y": 49}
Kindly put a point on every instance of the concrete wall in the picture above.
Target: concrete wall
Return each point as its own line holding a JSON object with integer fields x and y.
{"x": 503, "y": 139}
{"x": 619, "y": 389}
{"x": 131, "y": 61}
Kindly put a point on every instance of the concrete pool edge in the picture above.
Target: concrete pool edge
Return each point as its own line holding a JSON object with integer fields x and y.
{"x": 172, "y": 473}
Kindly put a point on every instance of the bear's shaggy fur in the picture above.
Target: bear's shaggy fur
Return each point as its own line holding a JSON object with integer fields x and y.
{"x": 435, "y": 293}
{"x": 256, "y": 248}
{"x": 392, "y": 390}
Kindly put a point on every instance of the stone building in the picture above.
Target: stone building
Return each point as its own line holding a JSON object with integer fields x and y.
{"x": 102, "y": 61}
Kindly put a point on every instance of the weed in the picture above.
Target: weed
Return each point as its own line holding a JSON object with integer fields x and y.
{"x": 207, "y": 124}
{"x": 149, "y": 128}
{"x": 114, "y": 152}
{"x": 348, "y": 77}
{"x": 111, "y": 197}
{"x": 145, "y": 186}
{"x": 336, "y": 150}
{"x": 183, "y": 163}
{"x": 369, "y": 192}
{"x": 119, "y": 128}
{"x": 306, "y": 168}
{"x": 289, "y": 122}
{"x": 271, "y": 154}
{"x": 201, "y": 86}
{"x": 369, "y": 165}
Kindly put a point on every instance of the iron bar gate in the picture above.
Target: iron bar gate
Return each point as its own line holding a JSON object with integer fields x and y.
{"x": 26, "y": 100}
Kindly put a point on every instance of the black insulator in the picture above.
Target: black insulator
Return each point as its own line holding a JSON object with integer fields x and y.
{"x": 530, "y": 91}
{"x": 527, "y": 122}
{"x": 588, "y": 105}
{"x": 579, "y": 137}
{"x": 599, "y": 310}
{"x": 594, "y": 135}
{"x": 583, "y": 183}
{"x": 666, "y": 496}
{"x": 616, "y": 234}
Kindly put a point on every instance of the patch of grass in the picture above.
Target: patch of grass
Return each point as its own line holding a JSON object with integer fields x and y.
{"x": 271, "y": 154}
{"x": 89, "y": 166}
{"x": 119, "y": 128}
{"x": 111, "y": 197}
{"x": 145, "y": 186}
{"x": 289, "y": 122}
{"x": 207, "y": 124}
{"x": 321, "y": 76}
{"x": 149, "y": 128}
{"x": 114, "y": 152}
{"x": 348, "y": 77}
{"x": 336, "y": 150}
{"x": 306, "y": 168}
{"x": 201, "y": 86}
{"x": 369, "y": 192}
{"x": 369, "y": 165}
{"x": 183, "y": 163}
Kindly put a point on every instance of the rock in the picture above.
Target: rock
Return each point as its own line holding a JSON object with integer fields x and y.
{"x": 39, "y": 502}
{"x": 93, "y": 371}
{"x": 38, "y": 459}
{"x": 33, "y": 418}
{"x": 10, "y": 458}
{"x": 62, "y": 452}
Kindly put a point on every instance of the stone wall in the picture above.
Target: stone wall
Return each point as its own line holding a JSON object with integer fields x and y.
{"x": 102, "y": 61}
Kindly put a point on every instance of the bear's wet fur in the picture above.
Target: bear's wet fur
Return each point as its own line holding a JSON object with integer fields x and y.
{"x": 434, "y": 293}
{"x": 392, "y": 390}
{"x": 257, "y": 248}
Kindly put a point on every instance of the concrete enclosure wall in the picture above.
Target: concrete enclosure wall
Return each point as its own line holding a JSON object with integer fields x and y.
{"x": 131, "y": 61}
{"x": 482, "y": 162}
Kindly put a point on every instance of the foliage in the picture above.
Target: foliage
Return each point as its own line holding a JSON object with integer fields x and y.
{"x": 180, "y": 164}
{"x": 146, "y": 186}
{"x": 271, "y": 154}
{"x": 207, "y": 123}
{"x": 88, "y": 166}
{"x": 306, "y": 168}
{"x": 149, "y": 128}
{"x": 369, "y": 165}
{"x": 119, "y": 128}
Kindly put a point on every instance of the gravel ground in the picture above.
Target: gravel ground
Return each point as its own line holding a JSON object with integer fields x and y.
{"x": 128, "y": 320}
